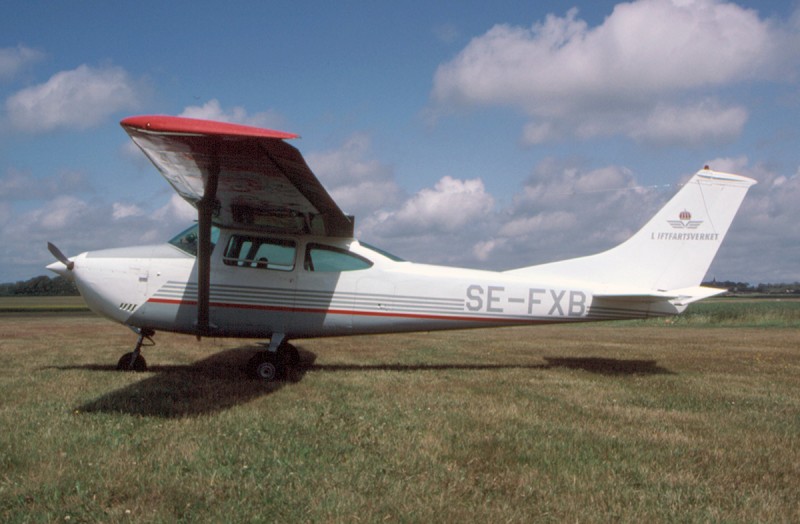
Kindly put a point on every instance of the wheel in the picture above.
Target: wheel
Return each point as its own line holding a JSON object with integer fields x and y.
{"x": 129, "y": 362}
{"x": 266, "y": 366}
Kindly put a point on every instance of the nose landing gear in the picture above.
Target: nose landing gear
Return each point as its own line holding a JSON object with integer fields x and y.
{"x": 134, "y": 361}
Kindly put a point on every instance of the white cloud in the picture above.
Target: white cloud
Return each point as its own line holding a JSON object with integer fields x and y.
{"x": 213, "y": 110}
{"x": 78, "y": 224}
{"x": 636, "y": 74}
{"x": 14, "y": 59}
{"x": 358, "y": 183}
{"x": 448, "y": 207}
{"x": 482, "y": 250}
{"x": 763, "y": 244}
{"x": 78, "y": 99}
{"x": 121, "y": 210}
{"x": 565, "y": 211}
{"x": 541, "y": 222}
{"x": 63, "y": 212}
{"x": 704, "y": 122}
{"x": 177, "y": 210}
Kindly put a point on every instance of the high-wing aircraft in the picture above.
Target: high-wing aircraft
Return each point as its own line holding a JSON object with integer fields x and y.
{"x": 273, "y": 257}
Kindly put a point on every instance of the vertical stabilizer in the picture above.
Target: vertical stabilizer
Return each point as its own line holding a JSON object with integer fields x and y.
{"x": 673, "y": 250}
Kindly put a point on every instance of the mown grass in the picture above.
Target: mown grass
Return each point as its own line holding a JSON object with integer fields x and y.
{"x": 17, "y": 304}
{"x": 738, "y": 312}
{"x": 586, "y": 423}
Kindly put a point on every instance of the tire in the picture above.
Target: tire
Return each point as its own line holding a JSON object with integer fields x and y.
{"x": 127, "y": 363}
{"x": 266, "y": 366}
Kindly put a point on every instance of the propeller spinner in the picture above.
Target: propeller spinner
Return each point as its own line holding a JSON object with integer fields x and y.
{"x": 60, "y": 256}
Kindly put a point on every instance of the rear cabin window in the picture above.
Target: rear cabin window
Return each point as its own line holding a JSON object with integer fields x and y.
{"x": 322, "y": 258}
{"x": 262, "y": 253}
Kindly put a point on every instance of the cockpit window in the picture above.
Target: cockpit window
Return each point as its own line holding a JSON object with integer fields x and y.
{"x": 322, "y": 258}
{"x": 187, "y": 240}
{"x": 382, "y": 252}
{"x": 263, "y": 253}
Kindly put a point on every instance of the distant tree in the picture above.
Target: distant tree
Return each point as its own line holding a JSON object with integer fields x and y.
{"x": 40, "y": 286}
{"x": 733, "y": 287}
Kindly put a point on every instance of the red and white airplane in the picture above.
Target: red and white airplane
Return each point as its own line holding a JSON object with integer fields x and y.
{"x": 273, "y": 257}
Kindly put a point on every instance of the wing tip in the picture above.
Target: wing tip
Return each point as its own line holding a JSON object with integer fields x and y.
{"x": 196, "y": 126}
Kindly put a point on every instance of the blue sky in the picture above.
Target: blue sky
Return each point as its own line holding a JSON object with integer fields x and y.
{"x": 478, "y": 134}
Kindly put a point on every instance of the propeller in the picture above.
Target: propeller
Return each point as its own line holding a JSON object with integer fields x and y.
{"x": 60, "y": 256}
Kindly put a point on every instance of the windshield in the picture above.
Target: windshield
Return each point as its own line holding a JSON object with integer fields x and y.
{"x": 382, "y": 252}
{"x": 187, "y": 240}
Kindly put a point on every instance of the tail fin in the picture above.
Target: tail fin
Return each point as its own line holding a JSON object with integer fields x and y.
{"x": 671, "y": 252}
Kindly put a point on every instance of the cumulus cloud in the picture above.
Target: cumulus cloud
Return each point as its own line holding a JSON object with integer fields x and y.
{"x": 77, "y": 223}
{"x": 704, "y": 122}
{"x": 176, "y": 210}
{"x": 636, "y": 74}
{"x": 78, "y": 99}
{"x": 763, "y": 244}
{"x": 120, "y": 210}
{"x": 565, "y": 210}
{"x": 448, "y": 207}
{"x": 357, "y": 182}
{"x": 14, "y": 59}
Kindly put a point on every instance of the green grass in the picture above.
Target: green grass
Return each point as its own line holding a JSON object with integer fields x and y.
{"x": 42, "y": 304}
{"x": 589, "y": 423}
{"x": 736, "y": 312}
{"x": 744, "y": 312}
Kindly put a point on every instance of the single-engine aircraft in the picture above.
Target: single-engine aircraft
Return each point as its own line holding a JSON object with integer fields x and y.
{"x": 272, "y": 256}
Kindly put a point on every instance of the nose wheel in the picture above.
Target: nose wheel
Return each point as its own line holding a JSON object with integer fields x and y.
{"x": 134, "y": 361}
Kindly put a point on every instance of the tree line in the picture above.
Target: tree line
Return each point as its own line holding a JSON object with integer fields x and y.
{"x": 42, "y": 286}
{"x": 745, "y": 288}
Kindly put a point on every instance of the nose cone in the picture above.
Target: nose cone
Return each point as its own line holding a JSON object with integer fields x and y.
{"x": 61, "y": 269}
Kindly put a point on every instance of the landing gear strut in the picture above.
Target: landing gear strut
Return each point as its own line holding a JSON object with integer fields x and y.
{"x": 134, "y": 361}
{"x": 275, "y": 364}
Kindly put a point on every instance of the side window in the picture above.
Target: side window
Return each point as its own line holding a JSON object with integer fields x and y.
{"x": 331, "y": 259}
{"x": 263, "y": 253}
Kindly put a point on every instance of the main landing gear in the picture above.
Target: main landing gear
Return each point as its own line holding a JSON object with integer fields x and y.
{"x": 278, "y": 362}
{"x": 134, "y": 361}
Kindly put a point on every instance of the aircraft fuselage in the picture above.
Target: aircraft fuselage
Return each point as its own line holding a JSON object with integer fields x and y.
{"x": 311, "y": 287}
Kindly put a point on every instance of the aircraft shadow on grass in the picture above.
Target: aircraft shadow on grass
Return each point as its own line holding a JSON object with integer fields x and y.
{"x": 221, "y": 381}
{"x": 601, "y": 366}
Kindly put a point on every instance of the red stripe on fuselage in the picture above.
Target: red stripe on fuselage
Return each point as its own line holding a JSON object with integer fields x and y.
{"x": 285, "y": 309}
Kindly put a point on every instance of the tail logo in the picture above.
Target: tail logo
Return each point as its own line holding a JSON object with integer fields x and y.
{"x": 685, "y": 221}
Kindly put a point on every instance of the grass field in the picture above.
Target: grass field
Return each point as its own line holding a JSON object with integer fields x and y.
{"x": 41, "y": 304}
{"x": 681, "y": 421}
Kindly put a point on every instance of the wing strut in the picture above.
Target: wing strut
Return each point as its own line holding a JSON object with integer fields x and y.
{"x": 205, "y": 211}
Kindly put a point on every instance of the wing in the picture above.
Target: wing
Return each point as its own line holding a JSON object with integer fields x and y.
{"x": 260, "y": 180}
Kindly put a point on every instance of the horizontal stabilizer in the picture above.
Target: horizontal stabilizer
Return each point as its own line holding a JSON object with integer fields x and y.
{"x": 678, "y": 297}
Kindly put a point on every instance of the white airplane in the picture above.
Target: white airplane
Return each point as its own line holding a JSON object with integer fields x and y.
{"x": 273, "y": 257}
